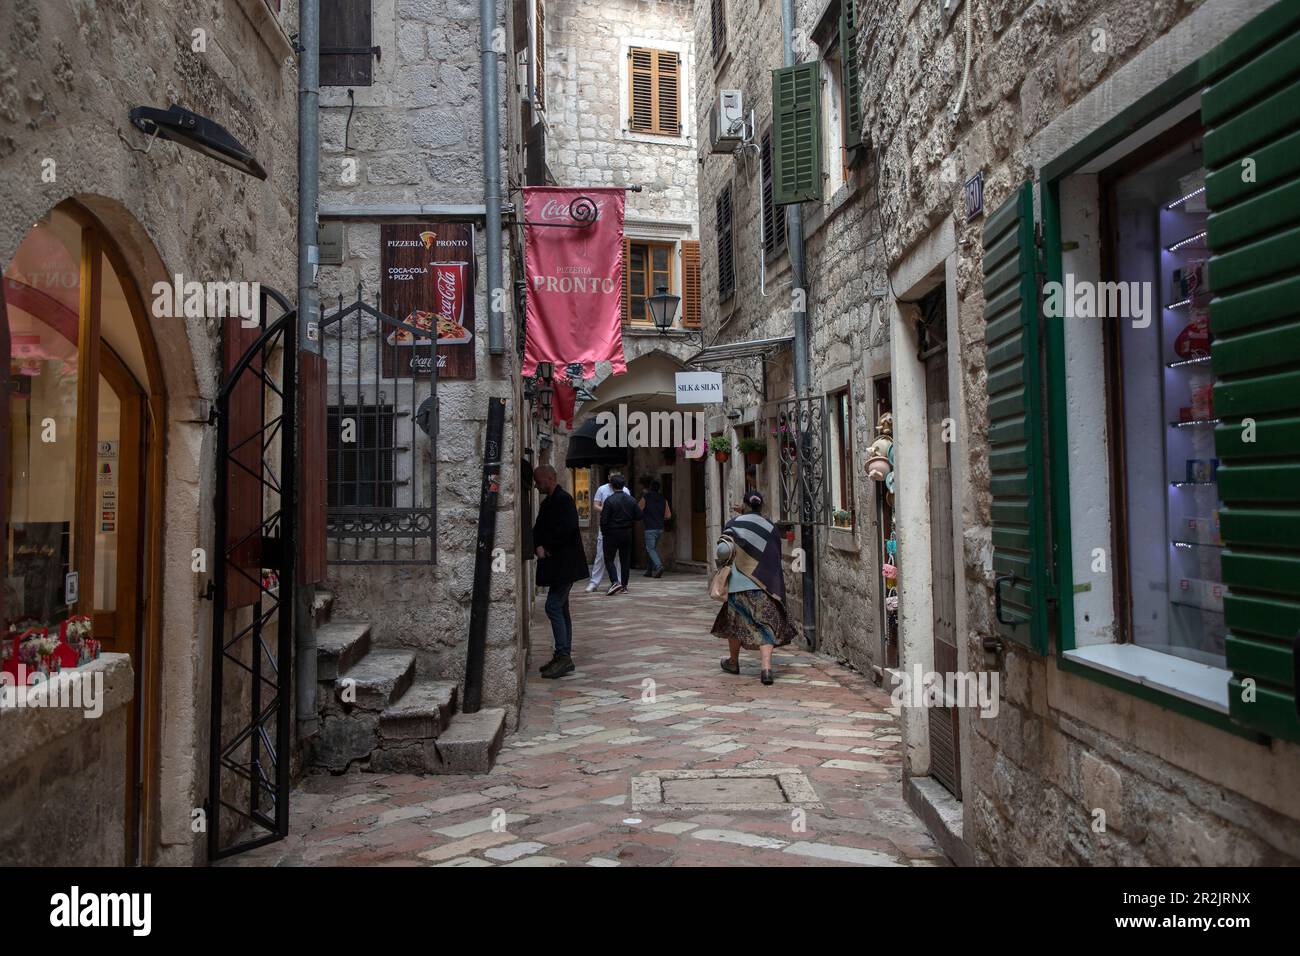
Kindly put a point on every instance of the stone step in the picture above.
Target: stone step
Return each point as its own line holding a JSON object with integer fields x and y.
{"x": 468, "y": 745}
{"x": 378, "y": 679}
{"x": 339, "y": 646}
{"x": 322, "y": 606}
{"x": 424, "y": 711}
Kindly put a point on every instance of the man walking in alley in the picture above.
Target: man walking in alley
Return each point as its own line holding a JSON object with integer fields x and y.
{"x": 561, "y": 560}
{"x": 617, "y": 518}
{"x": 655, "y": 510}
{"x": 598, "y": 565}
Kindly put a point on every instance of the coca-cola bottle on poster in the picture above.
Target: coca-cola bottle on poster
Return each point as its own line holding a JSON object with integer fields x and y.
{"x": 450, "y": 281}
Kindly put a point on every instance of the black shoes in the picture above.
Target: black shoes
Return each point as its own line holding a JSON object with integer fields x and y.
{"x": 730, "y": 666}
{"x": 659, "y": 573}
{"x": 551, "y": 662}
{"x": 558, "y": 668}
{"x": 766, "y": 677}
{"x": 649, "y": 573}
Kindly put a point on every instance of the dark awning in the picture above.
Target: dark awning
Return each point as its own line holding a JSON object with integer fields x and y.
{"x": 730, "y": 351}
{"x": 584, "y": 452}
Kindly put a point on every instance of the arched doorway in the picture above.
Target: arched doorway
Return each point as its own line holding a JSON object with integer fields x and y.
{"x": 84, "y": 451}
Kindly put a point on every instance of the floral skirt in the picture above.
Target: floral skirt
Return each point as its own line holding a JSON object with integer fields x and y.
{"x": 753, "y": 618}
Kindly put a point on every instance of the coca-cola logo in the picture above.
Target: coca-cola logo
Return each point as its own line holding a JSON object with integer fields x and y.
{"x": 447, "y": 297}
{"x": 554, "y": 210}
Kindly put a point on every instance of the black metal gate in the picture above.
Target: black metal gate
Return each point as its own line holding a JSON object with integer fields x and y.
{"x": 252, "y": 592}
{"x": 800, "y": 426}
{"x": 382, "y": 437}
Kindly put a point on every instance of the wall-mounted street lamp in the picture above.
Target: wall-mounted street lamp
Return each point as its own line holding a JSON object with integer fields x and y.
{"x": 197, "y": 132}
{"x": 663, "y": 309}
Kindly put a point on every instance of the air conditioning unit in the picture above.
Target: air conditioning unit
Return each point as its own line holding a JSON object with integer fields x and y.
{"x": 727, "y": 122}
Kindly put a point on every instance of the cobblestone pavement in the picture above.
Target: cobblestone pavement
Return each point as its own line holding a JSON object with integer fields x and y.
{"x": 594, "y": 775}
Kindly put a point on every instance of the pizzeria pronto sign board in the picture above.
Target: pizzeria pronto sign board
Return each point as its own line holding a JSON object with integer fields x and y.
{"x": 428, "y": 280}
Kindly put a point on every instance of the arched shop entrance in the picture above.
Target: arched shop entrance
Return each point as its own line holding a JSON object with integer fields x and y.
{"x": 83, "y": 463}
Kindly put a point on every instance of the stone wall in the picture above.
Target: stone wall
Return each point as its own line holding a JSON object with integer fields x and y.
{"x": 1174, "y": 790}
{"x": 848, "y": 331}
{"x": 415, "y": 135}
{"x": 69, "y": 73}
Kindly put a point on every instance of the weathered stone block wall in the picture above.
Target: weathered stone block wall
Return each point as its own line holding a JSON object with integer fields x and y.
{"x": 1174, "y": 790}
{"x": 416, "y": 137}
{"x": 846, "y": 325}
{"x": 69, "y": 73}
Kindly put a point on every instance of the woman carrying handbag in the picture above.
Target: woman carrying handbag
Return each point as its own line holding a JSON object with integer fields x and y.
{"x": 751, "y": 582}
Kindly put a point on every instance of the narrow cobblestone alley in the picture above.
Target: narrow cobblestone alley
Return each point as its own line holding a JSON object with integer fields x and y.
{"x": 601, "y": 774}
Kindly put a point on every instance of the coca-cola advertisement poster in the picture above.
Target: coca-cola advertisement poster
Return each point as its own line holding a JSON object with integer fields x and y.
{"x": 573, "y": 264}
{"x": 428, "y": 284}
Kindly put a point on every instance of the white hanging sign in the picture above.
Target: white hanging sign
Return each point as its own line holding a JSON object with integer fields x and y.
{"x": 699, "y": 388}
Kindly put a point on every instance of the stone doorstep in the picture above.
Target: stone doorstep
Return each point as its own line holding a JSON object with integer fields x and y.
{"x": 381, "y": 677}
{"x": 649, "y": 792}
{"x": 941, "y": 813}
{"x": 425, "y": 710}
{"x": 339, "y": 646}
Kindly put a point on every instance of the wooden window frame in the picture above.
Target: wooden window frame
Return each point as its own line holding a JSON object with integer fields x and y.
{"x": 648, "y": 274}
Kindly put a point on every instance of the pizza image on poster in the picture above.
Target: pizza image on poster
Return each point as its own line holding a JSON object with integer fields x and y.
{"x": 428, "y": 280}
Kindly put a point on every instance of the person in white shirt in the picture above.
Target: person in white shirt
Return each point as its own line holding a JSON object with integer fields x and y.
{"x": 598, "y": 565}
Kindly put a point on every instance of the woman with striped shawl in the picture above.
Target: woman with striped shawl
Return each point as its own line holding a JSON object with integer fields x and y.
{"x": 754, "y": 614}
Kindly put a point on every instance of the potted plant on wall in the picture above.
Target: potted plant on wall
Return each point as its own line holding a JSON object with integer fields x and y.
{"x": 720, "y": 445}
{"x": 754, "y": 450}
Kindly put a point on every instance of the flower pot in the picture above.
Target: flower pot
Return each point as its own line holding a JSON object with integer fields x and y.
{"x": 721, "y": 455}
{"x": 878, "y": 467}
{"x": 755, "y": 457}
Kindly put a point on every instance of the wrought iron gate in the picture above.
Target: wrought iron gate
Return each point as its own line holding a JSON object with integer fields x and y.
{"x": 382, "y": 443}
{"x": 800, "y": 425}
{"x": 253, "y": 583}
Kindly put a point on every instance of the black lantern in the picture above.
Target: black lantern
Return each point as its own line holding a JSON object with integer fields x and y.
{"x": 663, "y": 308}
{"x": 197, "y": 132}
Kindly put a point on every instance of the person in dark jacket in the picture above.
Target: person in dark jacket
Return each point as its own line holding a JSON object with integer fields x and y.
{"x": 561, "y": 560}
{"x": 617, "y": 519}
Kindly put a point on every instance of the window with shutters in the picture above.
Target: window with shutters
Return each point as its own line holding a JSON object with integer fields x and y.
{"x": 726, "y": 245}
{"x": 539, "y": 55}
{"x": 654, "y": 92}
{"x": 346, "y": 54}
{"x": 796, "y": 134}
{"x": 718, "y": 20}
{"x": 773, "y": 215}
{"x": 1171, "y": 332}
{"x": 839, "y": 409}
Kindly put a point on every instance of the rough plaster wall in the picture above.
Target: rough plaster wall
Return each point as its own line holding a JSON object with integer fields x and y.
{"x": 417, "y": 136}
{"x": 1061, "y": 746}
{"x": 844, "y": 321}
{"x": 69, "y": 72}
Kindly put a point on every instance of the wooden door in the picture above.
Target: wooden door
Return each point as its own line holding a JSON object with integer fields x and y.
{"x": 699, "y": 512}
{"x": 119, "y": 535}
{"x": 945, "y": 756}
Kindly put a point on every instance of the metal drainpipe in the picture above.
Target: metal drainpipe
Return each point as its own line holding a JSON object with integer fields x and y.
{"x": 308, "y": 316}
{"x": 487, "y": 13}
{"x": 802, "y": 369}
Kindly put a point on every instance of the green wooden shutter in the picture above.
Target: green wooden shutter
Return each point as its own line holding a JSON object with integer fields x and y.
{"x": 796, "y": 133}
{"x": 1016, "y": 459}
{"x": 1251, "y": 114}
{"x": 852, "y": 76}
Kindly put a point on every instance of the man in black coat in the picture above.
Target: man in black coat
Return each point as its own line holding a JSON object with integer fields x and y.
{"x": 617, "y": 518}
{"x": 561, "y": 560}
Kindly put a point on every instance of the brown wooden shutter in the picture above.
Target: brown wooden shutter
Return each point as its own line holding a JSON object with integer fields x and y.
{"x": 691, "y": 283}
{"x": 641, "y": 105}
{"x": 314, "y": 483}
{"x": 345, "y": 26}
{"x": 668, "y": 93}
{"x": 243, "y": 485}
{"x": 627, "y": 279}
{"x": 539, "y": 72}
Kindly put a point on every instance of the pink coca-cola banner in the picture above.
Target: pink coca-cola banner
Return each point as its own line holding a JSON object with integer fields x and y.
{"x": 575, "y": 278}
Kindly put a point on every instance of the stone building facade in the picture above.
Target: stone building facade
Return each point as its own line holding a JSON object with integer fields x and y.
{"x": 739, "y": 44}
{"x": 1083, "y": 763}
{"x": 405, "y": 148}
{"x": 87, "y": 179}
